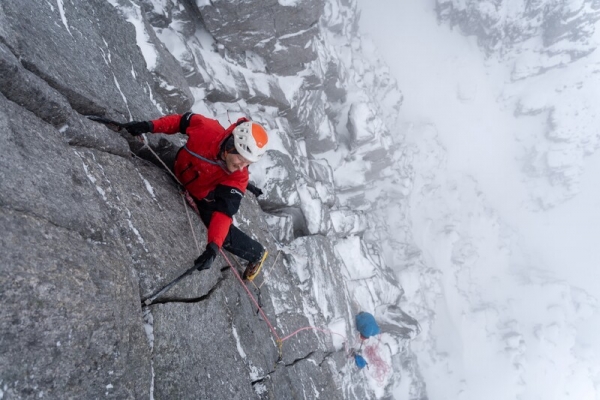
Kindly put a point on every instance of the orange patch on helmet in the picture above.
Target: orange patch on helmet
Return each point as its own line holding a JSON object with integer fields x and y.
{"x": 260, "y": 135}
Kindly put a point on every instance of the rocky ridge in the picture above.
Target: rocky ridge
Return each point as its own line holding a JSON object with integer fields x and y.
{"x": 92, "y": 226}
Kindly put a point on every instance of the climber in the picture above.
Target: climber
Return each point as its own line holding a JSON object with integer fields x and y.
{"x": 367, "y": 327}
{"x": 213, "y": 167}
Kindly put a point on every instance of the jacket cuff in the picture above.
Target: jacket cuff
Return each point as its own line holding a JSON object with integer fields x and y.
{"x": 218, "y": 228}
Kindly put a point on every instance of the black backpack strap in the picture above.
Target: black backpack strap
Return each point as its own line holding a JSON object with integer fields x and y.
{"x": 185, "y": 122}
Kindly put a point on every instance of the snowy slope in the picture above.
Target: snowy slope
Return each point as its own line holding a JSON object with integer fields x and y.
{"x": 495, "y": 231}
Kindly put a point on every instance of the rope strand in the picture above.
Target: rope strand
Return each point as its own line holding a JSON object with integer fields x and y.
{"x": 190, "y": 221}
{"x": 250, "y": 295}
{"x": 146, "y": 144}
{"x": 272, "y": 266}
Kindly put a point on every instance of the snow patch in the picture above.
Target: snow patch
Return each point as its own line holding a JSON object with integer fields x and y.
{"x": 63, "y": 17}
{"x": 133, "y": 15}
{"x": 93, "y": 180}
{"x": 148, "y": 186}
{"x": 136, "y": 232}
{"x": 288, "y": 3}
{"x": 355, "y": 263}
{"x": 149, "y": 326}
{"x": 338, "y": 327}
{"x": 238, "y": 343}
{"x": 260, "y": 388}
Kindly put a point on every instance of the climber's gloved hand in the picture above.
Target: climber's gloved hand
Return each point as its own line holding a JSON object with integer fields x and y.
{"x": 206, "y": 259}
{"x": 136, "y": 128}
{"x": 254, "y": 190}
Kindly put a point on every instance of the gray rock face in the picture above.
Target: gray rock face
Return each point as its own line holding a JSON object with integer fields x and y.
{"x": 307, "y": 116}
{"x": 281, "y": 226}
{"x": 564, "y": 27}
{"x": 282, "y": 35}
{"x": 392, "y": 319}
{"x": 87, "y": 53}
{"x": 218, "y": 372}
{"x": 320, "y": 172}
{"x": 71, "y": 324}
{"x": 71, "y": 321}
{"x": 279, "y": 183}
{"x": 90, "y": 229}
{"x": 33, "y": 93}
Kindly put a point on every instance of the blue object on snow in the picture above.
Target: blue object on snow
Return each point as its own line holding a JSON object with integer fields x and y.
{"x": 366, "y": 325}
{"x": 360, "y": 361}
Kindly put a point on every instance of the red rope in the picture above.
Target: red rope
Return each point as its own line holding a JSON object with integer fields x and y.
{"x": 300, "y": 330}
{"x": 320, "y": 330}
{"x": 260, "y": 310}
{"x": 381, "y": 369}
{"x": 250, "y": 295}
{"x": 313, "y": 328}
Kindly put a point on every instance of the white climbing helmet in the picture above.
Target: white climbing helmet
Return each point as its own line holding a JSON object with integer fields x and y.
{"x": 250, "y": 140}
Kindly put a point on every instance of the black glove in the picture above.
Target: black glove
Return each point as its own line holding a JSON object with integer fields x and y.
{"x": 254, "y": 190}
{"x": 206, "y": 259}
{"x": 136, "y": 128}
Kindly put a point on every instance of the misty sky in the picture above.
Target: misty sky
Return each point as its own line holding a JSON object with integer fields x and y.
{"x": 448, "y": 84}
{"x": 429, "y": 61}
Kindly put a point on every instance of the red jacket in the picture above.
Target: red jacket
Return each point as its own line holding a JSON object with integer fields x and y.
{"x": 199, "y": 169}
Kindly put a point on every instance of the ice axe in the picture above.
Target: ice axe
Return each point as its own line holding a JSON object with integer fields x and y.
{"x": 114, "y": 126}
{"x": 117, "y": 126}
{"x": 108, "y": 122}
{"x": 149, "y": 300}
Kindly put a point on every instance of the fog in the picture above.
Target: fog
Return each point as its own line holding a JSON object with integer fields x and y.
{"x": 532, "y": 238}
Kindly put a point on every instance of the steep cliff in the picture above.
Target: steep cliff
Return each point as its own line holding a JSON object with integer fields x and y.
{"x": 91, "y": 225}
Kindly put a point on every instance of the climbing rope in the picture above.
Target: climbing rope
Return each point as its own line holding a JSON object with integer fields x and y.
{"x": 316, "y": 329}
{"x": 381, "y": 368}
{"x": 191, "y": 225}
{"x": 239, "y": 278}
{"x": 265, "y": 274}
{"x": 279, "y": 340}
{"x": 144, "y": 140}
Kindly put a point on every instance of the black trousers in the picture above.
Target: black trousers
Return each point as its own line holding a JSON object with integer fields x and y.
{"x": 236, "y": 242}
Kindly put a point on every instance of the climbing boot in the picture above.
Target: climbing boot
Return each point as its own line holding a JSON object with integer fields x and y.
{"x": 254, "y": 268}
